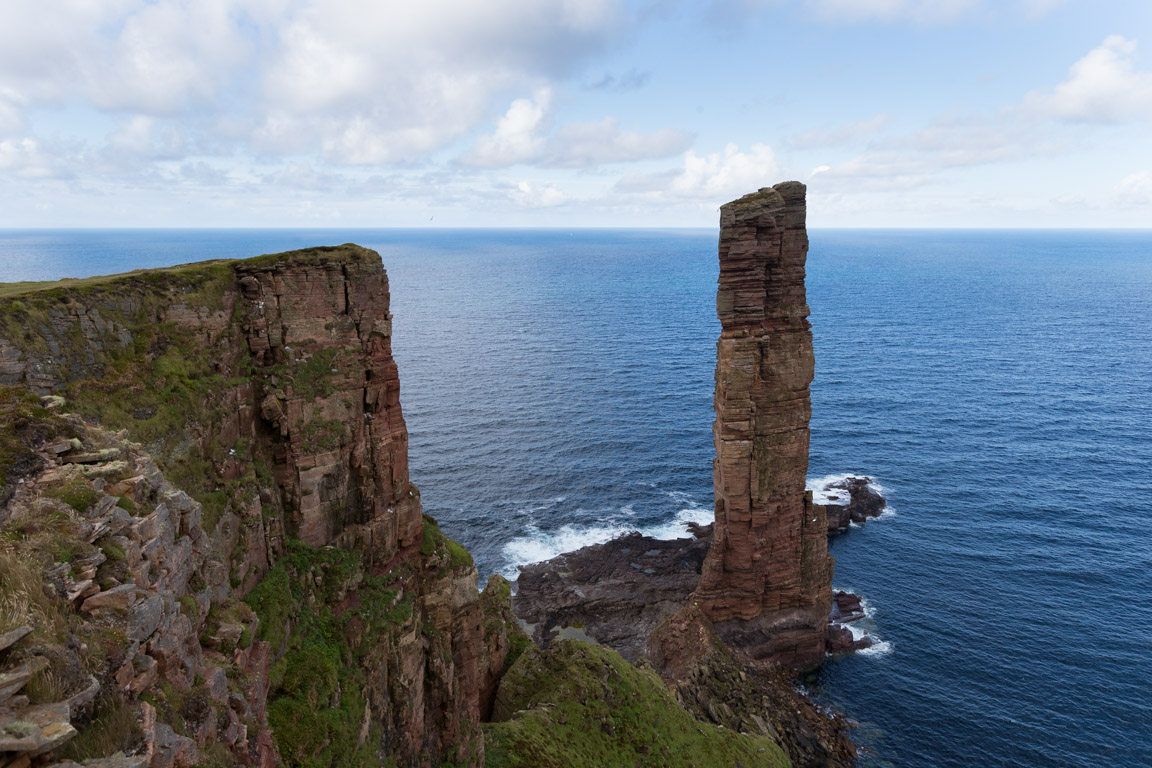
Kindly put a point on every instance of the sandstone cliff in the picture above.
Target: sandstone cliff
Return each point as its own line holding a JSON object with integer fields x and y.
{"x": 766, "y": 583}
{"x": 266, "y": 389}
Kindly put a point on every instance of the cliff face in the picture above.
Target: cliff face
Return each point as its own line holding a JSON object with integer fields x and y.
{"x": 290, "y": 354}
{"x": 266, "y": 389}
{"x": 766, "y": 583}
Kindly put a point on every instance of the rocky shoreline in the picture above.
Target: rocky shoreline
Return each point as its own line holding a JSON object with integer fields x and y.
{"x": 634, "y": 594}
{"x": 617, "y": 593}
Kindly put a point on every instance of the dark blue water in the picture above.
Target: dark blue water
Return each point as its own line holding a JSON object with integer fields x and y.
{"x": 557, "y": 387}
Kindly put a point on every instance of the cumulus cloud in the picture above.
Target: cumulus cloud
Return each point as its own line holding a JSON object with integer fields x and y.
{"x": 536, "y": 195}
{"x": 25, "y": 158}
{"x": 1102, "y": 87}
{"x": 709, "y": 178}
{"x": 146, "y": 138}
{"x": 518, "y": 135}
{"x": 358, "y": 83}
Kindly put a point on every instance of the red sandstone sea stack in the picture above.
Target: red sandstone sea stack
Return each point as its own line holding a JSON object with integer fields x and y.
{"x": 766, "y": 583}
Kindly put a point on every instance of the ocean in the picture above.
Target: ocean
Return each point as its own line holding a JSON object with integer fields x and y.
{"x": 996, "y": 384}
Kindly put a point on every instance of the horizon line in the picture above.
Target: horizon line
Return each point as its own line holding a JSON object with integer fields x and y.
{"x": 4, "y": 230}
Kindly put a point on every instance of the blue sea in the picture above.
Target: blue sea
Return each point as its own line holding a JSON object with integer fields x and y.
{"x": 996, "y": 384}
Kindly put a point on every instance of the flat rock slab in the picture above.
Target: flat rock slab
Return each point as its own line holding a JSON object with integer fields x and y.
{"x": 118, "y": 598}
{"x": 12, "y": 636}
{"x": 13, "y": 680}
{"x": 36, "y": 729}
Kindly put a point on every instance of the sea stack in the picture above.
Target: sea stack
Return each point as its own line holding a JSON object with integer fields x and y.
{"x": 766, "y": 582}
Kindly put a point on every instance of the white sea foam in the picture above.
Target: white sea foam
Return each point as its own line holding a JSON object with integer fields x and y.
{"x": 822, "y": 494}
{"x": 678, "y": 528}
{"x": 865, "y": 628}
{"x": 878, "y": 648}
{"x": 538, "y": 546}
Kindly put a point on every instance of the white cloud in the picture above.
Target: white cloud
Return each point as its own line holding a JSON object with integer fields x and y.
{"x": 517, "y": 138}
{"x": 1134, "y": 189}
{"x": 724, "y": 173}
{"x": 532, "y": 195}
{"x": 392, "y": 82}
{"x": 26, "y": 159}
{"x": 143, "y": 137}
{"x": 358, "y": 83}
{"x": 711, "y": 179}
{"x": 521, "y": 137}
{"x": 1102, "y": 87}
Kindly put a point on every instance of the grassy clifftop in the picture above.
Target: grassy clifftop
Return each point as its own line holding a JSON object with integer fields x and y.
{"x": 578, "y": 705}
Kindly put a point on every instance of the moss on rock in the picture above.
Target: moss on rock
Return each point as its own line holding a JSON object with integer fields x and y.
{"x": 582, "y": 705}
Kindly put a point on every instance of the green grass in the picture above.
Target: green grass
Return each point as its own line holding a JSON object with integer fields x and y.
{"x": 113, "y": 729}
{"x": 316, "y": 701}
{"x": 24, "y": 426}
{"x": 578, "y": 705}
{"x": 77, "y": 494}
{"x": 435, "y": 543}
{"x": 323, "y": 435}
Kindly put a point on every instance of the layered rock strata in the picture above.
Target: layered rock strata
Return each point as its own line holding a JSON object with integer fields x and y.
{"x": 141, "y": 629}
{"x": 766, "y": 583}
{"x": 266, "y": 389}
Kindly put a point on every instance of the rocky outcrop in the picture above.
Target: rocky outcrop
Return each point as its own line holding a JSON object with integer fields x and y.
{"x": 266, "y": 390}
{"x": 766, "y": 581}
{"x": 131, "y": 640}
{"x": 614, "y": 594}
{"x": 744, "y": 695}
{"x": 851, "y": 500}
{"x": 319, "y": 332}
{"x": 576, "y": 704}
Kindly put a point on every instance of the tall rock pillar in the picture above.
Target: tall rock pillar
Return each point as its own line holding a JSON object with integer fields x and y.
{"x": 766, "y": 583}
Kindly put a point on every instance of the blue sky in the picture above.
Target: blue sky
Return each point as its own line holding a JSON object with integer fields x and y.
{"x": 268, "y": 113}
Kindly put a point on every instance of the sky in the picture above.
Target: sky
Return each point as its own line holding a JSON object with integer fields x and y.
{"x": 573, "y": 113}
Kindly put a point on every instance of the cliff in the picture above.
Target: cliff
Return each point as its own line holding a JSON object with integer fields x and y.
{"x": 766, "y": 582}
{"x": 266, "y": 389}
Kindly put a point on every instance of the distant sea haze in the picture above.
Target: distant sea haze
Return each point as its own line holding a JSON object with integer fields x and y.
{"x": 558, "y": 390}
